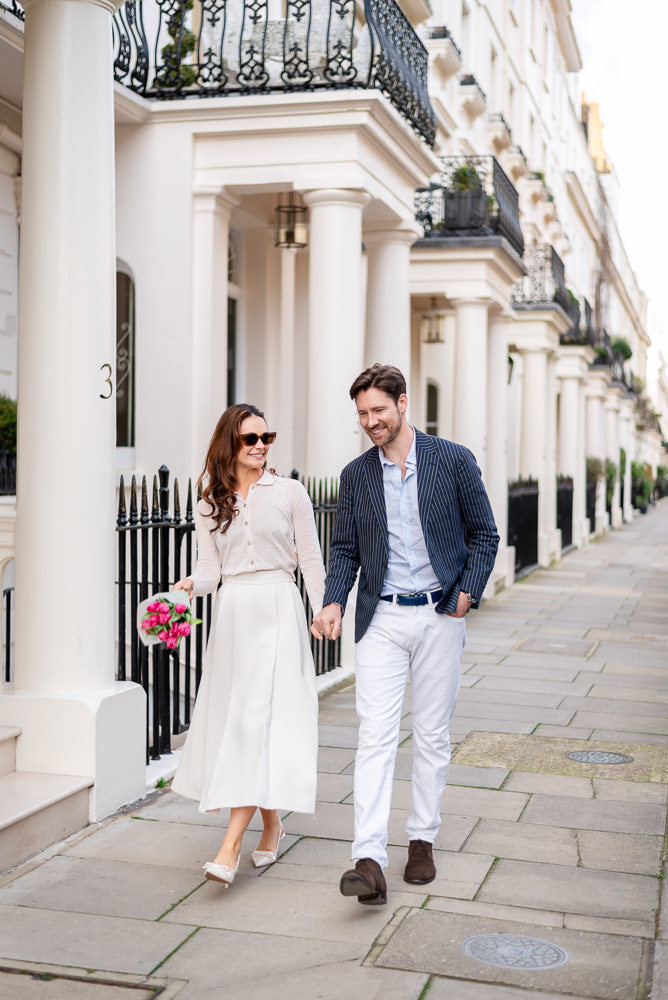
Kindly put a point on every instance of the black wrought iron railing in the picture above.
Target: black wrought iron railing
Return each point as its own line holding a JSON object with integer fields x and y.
{"x": 591, "y": 505}
{"x": 7, "y": 632}
{"x": 496, "y": 118}
{"x": 565, "y": 510}
{"x": 166, "y": 49}
{"x": 523, "y": 522}
{"x": 156, "y": 547}
{"x": 473, "y": 196}
{"x": 7, "y": 473}
{"x": 602, "y": 348}
{"x": 468, "y": 80}
{"x": 544, "y": 281}
{"x": 13, "y": 7}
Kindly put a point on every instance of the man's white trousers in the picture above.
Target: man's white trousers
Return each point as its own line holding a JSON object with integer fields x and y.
{"x": 402, "y": 642}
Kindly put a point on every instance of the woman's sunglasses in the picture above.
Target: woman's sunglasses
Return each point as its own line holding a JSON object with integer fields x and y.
{"x": 267, "y": 438}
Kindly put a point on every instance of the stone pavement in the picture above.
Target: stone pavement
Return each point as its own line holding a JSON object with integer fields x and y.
{"x": 562, "y": 858}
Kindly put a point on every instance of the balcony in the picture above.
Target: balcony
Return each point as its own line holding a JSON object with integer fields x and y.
{"x": 581, "y": 333}
{"x": 516, "y": 162}
{"x": 13, "y": 7}
{"x": 472, "y": 198}
{"x": 444, "y": 51}
{"x": 474, "y": 99}
{"x": 544, "y": 283}
{"x": 498, "y": 133}
{"x": 164, "y": 50}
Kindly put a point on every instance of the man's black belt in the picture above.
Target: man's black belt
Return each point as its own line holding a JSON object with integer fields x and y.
{"x": 413, "y": 600}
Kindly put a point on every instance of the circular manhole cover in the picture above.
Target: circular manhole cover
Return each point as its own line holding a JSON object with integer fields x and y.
{"x": 514, "y": 951}
{"x": 599, "y": 757}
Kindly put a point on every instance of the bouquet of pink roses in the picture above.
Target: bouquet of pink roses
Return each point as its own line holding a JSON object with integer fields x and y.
{"x": 165, "y": 618}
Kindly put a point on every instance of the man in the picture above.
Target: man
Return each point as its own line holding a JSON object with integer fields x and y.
{"x": 414, "y": 518}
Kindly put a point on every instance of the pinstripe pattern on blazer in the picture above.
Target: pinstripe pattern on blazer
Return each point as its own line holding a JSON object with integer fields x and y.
{"x": 451, "y": 498}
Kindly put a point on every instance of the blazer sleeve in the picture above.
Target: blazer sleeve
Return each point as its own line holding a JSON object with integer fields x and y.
{"x": 344, "y": 557}
{"x": 478, "y": 518}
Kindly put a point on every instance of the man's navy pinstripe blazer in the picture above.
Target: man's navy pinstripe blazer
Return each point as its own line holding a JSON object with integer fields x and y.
{"x": 451, "y": 499}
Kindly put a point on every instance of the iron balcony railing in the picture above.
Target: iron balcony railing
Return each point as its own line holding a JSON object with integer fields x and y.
{"x": 13, "y": 7}
{"x": 602, "y": 348}
{"x": 472, "y": 197}
{"x": 165, "y": 49}
{"x": 544, "y": 281}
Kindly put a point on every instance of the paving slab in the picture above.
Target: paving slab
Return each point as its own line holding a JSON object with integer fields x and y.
{"x": 551, "y": 784}
{"x": 479, "y": 695}
{"x": 573, "y": 890}
{"x": 561, "y": 646}
{"x": 630, "y": 791}
{"x": 86, "y": 940}
{"x": 461, "y": 726}
{"x": 295, "y": 909}
{"x": 491, "y": 682}
{"x": 610, "y": 925}
{"x": 595, "y": 814}
{"x": 332, "y": 820}
{"x": 477, "y": 777}
{"x": 26, "y": 986}
{"x": 549, "y": 756}
{"x": 634, "y": 694}
{"x": 335, "y": 759}
{"x": 499, "y": 911}
{"x": 616, "y": 706}
{"x": 112, "y": 888}
{"x": 333, "y": 787}
{"x": 337, "y": 736}
{"x": 483, "y": 802}
{"x": 172, "y": 808}
{"x": 620, "y": 852}
{"x": 457, "y": 989}
{"x": 452, "y": 833}
{"x": 599, "y": 966}
{"x": 479, "y": 709}
{"x": 567, "y": 732}
{"x": 610, "y": 735}
{"x": 524, "y": 842}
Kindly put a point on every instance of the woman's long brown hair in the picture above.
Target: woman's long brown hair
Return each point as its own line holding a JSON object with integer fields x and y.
{"x": 220, "y": 463}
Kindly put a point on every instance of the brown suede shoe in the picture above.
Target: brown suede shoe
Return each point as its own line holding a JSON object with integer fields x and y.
{"x": 366, "y": 881}
{"x": 420, "y": 867}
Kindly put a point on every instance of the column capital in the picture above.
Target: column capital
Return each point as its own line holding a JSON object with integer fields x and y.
{"x": 404, "y": 235}
{"x": 213, "y": 199}
{"x": 336, "y": 196}
{"x": 111, "y": 6}
{"x": 472, "y": 300}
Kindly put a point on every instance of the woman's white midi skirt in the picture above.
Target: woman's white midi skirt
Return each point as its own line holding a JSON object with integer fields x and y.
{"x": 253, "y": 738}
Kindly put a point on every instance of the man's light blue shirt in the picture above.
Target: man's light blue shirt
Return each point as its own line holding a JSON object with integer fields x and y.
{"x": 409, "y": 570}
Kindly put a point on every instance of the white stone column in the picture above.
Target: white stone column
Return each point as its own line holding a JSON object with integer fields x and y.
{"x": 470, "y": 403}
{"x": 336, "y": 335}
{"x": 626, "y": 440}
{"x": 75, "y": 718}
{"x": 211, "y": 221}
{"x": 285, "y": 422}
{"x": 570, "y": 449}
{"x": 554, "y": 536}
{"x": 533, "y": 452}
{"x": 595, "y": 394}
{"x": 497, "y": 441}
{"x": 388, "y": 327}
{"x": 612, "y": 451}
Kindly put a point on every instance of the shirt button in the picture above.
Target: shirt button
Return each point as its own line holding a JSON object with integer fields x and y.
{"x": 246, "y": 523}
{"x": 252, "y": 562}
{"x": 250, "y": 543}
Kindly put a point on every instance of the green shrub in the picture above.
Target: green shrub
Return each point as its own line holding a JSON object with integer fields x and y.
{"x": 610, "y": 477}
{"x": 7, "y": 423}
{"x": 594, "y": 469}
{"x": 621, "y": 347}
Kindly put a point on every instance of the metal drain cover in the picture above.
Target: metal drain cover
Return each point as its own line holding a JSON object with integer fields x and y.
{"x": 512, "y": 951}
{"x": 599, "y": 757}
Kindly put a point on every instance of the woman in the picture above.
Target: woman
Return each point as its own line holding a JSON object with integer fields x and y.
{"x": 253, "y": 738}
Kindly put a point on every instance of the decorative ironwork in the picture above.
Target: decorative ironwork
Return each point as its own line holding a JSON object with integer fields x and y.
{"x": 7, "y": 473}
{"x": 156, "y": 548}
{"x": 514, "y": 951}
{"x": 544, "y": 281}
{"x": 13, "y": 7}
{"x": 8, "y": 609}
{"x": 523, "y": 522}
{"x": 472, "y": 197}
{"x": 599, "y": 757}
{"x": 565, "y": 510}
{"x": 214, "y": 48}
{"x": 602, "y": 348}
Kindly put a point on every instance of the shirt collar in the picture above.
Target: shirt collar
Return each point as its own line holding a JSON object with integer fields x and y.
{"x": 266, "y": 479}
{"x": 411, "y": 458}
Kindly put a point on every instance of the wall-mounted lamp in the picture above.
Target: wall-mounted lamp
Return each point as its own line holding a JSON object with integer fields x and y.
{"x": 432, "y": 325}
{"x": 291, "y": 228}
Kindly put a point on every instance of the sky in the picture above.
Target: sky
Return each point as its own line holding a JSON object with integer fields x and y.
{"x": 622, "y": 46}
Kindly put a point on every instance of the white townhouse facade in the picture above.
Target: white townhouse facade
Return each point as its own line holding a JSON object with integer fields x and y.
{"x": 251, "y": 200}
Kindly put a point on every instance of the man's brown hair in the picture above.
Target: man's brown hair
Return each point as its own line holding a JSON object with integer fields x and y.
{"x": 385, "y": 377}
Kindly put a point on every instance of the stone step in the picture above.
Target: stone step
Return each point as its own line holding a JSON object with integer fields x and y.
{"x": 8, "y": 737}
{"x": 37, "y": 810}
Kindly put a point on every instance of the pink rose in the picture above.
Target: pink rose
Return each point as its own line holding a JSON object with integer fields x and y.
{"x": 163, "y": 634}
{"x": 180, "y": 608}
{"x": 164, "y": 618}
{"x": 146, "y": 625}
{"x": 184, "y": 628}
{"x": 172, "y": 643}
{"x": 163, "y": 608}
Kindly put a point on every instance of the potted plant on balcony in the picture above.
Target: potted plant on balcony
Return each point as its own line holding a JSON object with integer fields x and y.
{"x": 466, "y": 206}
{"x": 621, "y": 349}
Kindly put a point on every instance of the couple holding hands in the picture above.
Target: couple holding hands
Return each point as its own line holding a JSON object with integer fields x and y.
{"x": 414, "y": 519}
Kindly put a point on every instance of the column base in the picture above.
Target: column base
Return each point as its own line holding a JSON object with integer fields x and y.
{"x": 100, "y": 735}
{"x": 544, "y": 550}
{"x": 616, "y": 518}
{"x": 555, "y": 544}
{"x": 629, "y": 514}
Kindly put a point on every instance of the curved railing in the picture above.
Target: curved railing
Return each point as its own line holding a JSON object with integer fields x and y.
{"x": 166, "y": 49}
{"x": 544, "y": 281}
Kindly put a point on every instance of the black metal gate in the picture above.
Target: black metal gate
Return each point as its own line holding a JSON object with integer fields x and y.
{"x": 523, "y": 522}
{"x": 591, "y": 505}
{"x": 565, "y": 510}
{"x": 155, "y": 548}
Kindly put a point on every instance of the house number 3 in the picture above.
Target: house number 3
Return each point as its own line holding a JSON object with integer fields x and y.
{"x": 107, "y": 382}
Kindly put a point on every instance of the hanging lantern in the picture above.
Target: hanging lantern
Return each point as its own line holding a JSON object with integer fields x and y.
{"x": 432, "y": 325}
{"x": 291, "y": 228}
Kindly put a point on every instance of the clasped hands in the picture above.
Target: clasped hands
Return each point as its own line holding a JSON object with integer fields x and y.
{"x": 327, "y": 623}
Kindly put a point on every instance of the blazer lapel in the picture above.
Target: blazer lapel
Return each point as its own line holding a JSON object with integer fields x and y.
{"x": 427, "y": 469}
{"x": 374, "y": 480}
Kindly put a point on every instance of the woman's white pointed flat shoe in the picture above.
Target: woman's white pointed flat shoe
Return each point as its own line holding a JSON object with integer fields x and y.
{"x": 262, "y": 858}
{"x": 220, "y": 873}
